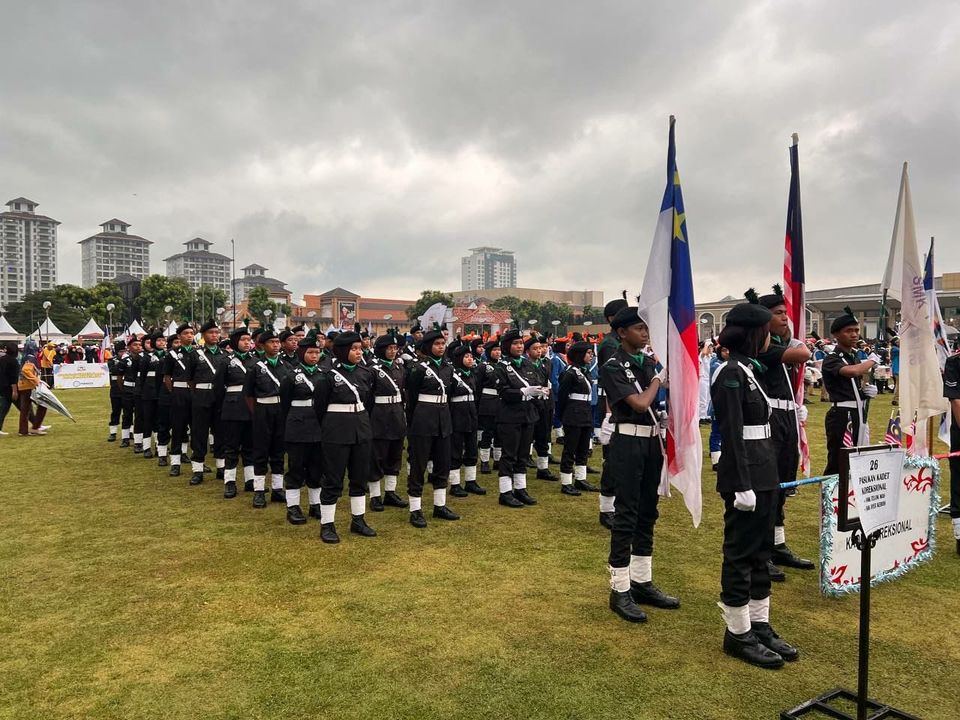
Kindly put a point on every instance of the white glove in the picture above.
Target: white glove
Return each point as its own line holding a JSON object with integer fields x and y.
{"x": 606, "y": 430}
{"x": 802, "y": 413}
{"x": 745, "y": 501}
{"x": 870, "y": 391}
{"x": 531, "y": 391}
{"x": 546, "y": 391}
{"x": 874, "y": 357}
{"x": 662, "y": 377}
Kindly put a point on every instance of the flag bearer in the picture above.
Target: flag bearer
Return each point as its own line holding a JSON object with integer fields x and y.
{"x": 605, "y": 350}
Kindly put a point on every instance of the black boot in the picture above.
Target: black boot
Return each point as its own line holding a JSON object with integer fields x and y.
{"x": 585, "y": 486}
{"x": 314, "y": 511}
{"x": 606, "y": 519}
{"x": 472, "y": 487}
{"x": 174, "y": 471}
{"x": 776, "y": 574}
{"x": 112, "y": 437}
{"x": 622, "y": 604}
{"x": 328, "y": 533}
{"x": 229, "y": 489}
{"x": 196, "y": 478}
{"x": 545, "y": 474}
{"x": 295, "y": 515}
{"x": 248, "y": 485}
{"x": 485, "y": 467}
{"x": 391, "y": 499}
{"x": 147, "y": 454}
{"x": 442, "y": 512}
{"x": 417, "y": 519}
{"x": 769, "y": 639}
{"x": 458, "y": 491}
{"x": 220, "y": 473}
{"x": 376, "y": 504}
{"x": 569, "y": 490}
{"x": 649, "y": 594}
{"x": 125, "y": 443}
{"x": 162, "y": 462}
{"x": 782, "y": 555}
{"x": 523, "y": 496}
{"x": 259, "y": 499}
{"x": 277, "y": 495}
{"x": 137, "y": 448}
{"x": 358, "y": 526}
{"x": 748, "y": 648}
{"x": 495, "y": 464}
{"x": 507, "y": 498}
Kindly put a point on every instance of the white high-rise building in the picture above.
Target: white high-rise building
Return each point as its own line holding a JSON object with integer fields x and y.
{"x": 488, "y": 267}
{"x": 28, "y": 251}
{"x": 113, "y": 252}
{"x": 200, "y": 267}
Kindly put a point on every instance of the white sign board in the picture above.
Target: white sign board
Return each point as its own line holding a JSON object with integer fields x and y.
{"x": 875, "y": 480}
{"x": 80, "y": 375}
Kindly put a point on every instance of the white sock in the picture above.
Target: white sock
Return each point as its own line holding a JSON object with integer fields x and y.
{"x": 146, "y": 443}
{"x": 276, "y": 481}
{"x": 439, "y": 497}
{"x": 454, "y": 477}
{"x": 566, "y": 478}
{"x": 327, "y": 513}
{"x": 956, "y": 528}
{"x": 174, "y": 459}
{"x": 737, "y": 619}
{"x": 590, "y": 443}
{"x": 209, "y": 439}
{"x": 715, "y": 457}
{"x": 113, "y": 429}
{"x": 196, "y": 466}
{"x": 519, "y": 481}
{"x": 606, "y": 503}
{"x": 429, "y": 466}
{"x": 549, "y": 449}
{"x": 313, "y": 496}
{"x": 779, "y": 535}
{"x": 619, "y": 578}
{"x": 161, "y": 450}
{"x": 542, "y": 462}
{"x": 259, "y": 483}
{"x": 470, "y": 474}
{"x": 125, "y": 434}
{"x": 579, "y": 472}
{"x": 415, "y": 503}
{"x": 358, "y": 504}
{"x": 506, "y": 484}
{"x": 138, "y": 438}
{"x": 185, "y": 448}
{"x": 248, "y": 472}
{"x": 390, "y": 483}
{"x": 293, "y": 497}
{"x": 484, "y": 454}
{"x": 559, "y": 433}
{"x": 760, "y": 610}
{"x": 641, "y": 568}
{"x": 497, "y": 453}
{"x": 221, "y": 463}
{"x": 229, "y": 475}
{"x": 374, "y": 488}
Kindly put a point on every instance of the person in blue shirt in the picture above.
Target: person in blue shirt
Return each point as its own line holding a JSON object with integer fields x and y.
{"x": 895, "y": 367}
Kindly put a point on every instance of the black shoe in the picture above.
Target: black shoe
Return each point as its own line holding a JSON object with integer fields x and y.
{"x": 559, "y": 440}
{"x": 295, "y": 515}
{"x": 196, "y": 478}
{"x": 622, "y": 604}
{"x": 791, "y": 492}
{"x": 507, "y": 498}
{"x": 458, "y": 491}
{"x": 174, "y": 471}
{"x": 748, "y": 648}
{"x": 147, "y": 454}
{"x": 220, "y": 473}
{"x": 649, "y": 594}
{"x": 782, "y": 555}
{"x": 485, "y": 468}
{"x": 248, "y": 485}
{"x": 776, "y": 574}
{"x": 259, "y": 499}
{"x": 358, "y": 526}
{"x": 137, "y": 448}
{"x": 328, "y": 533}
{"x": 592, "y": 471}
{"x": 585, "y": 486}
{"x": 391, "y": 499}
{"x": 769, "y": 639}
{"x": 229, "y": 490}
{"x": 958, "y": 546}
{"x": 570, "y": 490}
{"x": 162, "y": 462}
{"x": 417, "y": 519}
{"x": 376, "y": 504}
{"x": 112, "y": 437}
{"x": 606, "y": 519}
{"x": 125, "y": 443}
{"x": 472, "y": 487}
{"x": 523, "y": 496}
{"x": 277, "y": 495}
{"x": 545, "y": 474}
{"x": 495, "y": 465}
{"x": 314, "y": 511}
{"x": 442, "y": 512}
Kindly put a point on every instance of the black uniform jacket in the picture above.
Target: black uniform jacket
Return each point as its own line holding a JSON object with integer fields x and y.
{"x": 429, "y": 378}
{"x": 489, "y": 394}
{"x": 264, "y": 378}
{"x": 178, "y": 369}
{"x": 464, "y": 413}
{"x": 512, "y": 376}
{"x": 575, "y": 412}
{"x": 207, "y": 366}
{"x": 840, "y": 388}
{"x": 116, "y": 373}
{"x": 387, "y": 417}
{"x": 150, "y": 367}
{"x": 738, "y": 402}
{"x": 130, "y": 368}
{"x": 299, "y": 395}
{"x": 341, "y": 386}
{"x": 619, "y": 377}
{"x": 776, "y": 379}
{"x": 951, "y": 383}
{"x": 234, "y": 406}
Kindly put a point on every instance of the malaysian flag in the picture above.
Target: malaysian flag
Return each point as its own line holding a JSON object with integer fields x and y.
{"x": 794, "y": 291}
{"x": 894, "y": 434}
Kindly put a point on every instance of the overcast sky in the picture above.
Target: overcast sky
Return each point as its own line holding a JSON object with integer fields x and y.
{"x": 370, "y": 144}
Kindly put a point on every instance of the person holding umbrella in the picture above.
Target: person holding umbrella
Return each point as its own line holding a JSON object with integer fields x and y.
{"x": 30, "y": 423}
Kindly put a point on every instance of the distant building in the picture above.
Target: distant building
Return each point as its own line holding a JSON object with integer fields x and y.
{"x": 28, "y": 251}
{"x": 576, "y": 299}
{"x": 342, "y": 308}
{"x": 478, "y": 318}
{"x": 488, "y": 267}
{"x": 113, "y": 252}
{"x": 200, "y": 267}
{"x": 256, "y": 276}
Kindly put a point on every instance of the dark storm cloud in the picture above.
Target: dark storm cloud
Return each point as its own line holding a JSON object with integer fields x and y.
{"x": 370, "y": 144}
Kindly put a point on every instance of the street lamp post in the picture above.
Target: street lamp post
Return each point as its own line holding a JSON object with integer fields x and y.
{"x": 266, "y": 315}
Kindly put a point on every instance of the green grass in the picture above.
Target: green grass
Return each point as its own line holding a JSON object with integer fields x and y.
{"x": 127, "y": 594}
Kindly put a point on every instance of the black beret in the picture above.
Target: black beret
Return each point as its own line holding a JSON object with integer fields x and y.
{"x": 346, "y": 339}
{"x": 491, "y": 344}
{"x": 132, "y": 339}
{"x": 429, "y": 338}
{"x": 415, "y": 328}
{"x": 384, "y": 341}
{"x": 225, "y": 343}
{"x": 579, "y": 349}
{"x": 184, "y": 326}
{"x": 332, "y": 334}
{"x": 625, "y": 317}
{"x": 298, "y": 328}
{"x": 285, "y": 334}
{"x": 256, "y": 334}
{"x": 506, "y": 340}
{"x": 844, "y": 321}
{"x": 266, "y": 334}
{"x": 171, "y": 338}
{"x": 532, "y": 340}
{"x": 774, "y": 299}
{"x": 307, "y": 342}
{"x": 209, "y": 325}
{"x": 748, "y": 315}
{"x": 613, "y": 307}
{"x": 461, "y": 350}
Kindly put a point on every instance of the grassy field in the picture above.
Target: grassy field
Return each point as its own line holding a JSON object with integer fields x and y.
{"x": 127, "y": 594}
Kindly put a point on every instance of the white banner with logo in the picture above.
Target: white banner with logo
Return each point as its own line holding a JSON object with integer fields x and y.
{"x": 80, "y": 375}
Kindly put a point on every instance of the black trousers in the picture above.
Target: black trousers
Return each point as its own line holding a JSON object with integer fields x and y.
{"x": 180, "y": 408}
{"x": 635, "y": 465}
{"x": 387, "y": 455}
{"x": 576, "y": 447}
{"x": 835, "y": 424}
{"x": 747, "y": 546}
{"x": 954, "y": 471}
{"x": 783, "y": 429}
{"x": 339, "y": 460}
{"x": 488, "y": 435}
{"x": 129, "y": 408}
{"x": 268, "y": 427}
{"x": 304, "y": 465}
{"x": 148, "y": 415}
{"x": 116, "y": 408}
{"x": 203, "y": 419}
{"x": 463, "y": 449}
{"x": 515, "y": 444}
{"x": 606, "y": 479}
{"x": 236, "y": 437}
{"x": 421, "y": 449}
{"x": 542, "y": 429}
{"x": 161, "y": 423}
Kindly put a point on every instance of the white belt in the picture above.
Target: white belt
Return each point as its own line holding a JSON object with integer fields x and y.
{"x": 203, "y": 386}
{"x": 848, "y": 404}
{"x": 272, "y": 400}
{"x": 787, "y": 405}
{"x": 579, "y": 396}
{"x": 387, "y": 399}
{"x": 756, "y": 432}
{"x": 490, "y": 391}
{"x": 436, "y": 399}
{"x": 301, "y": 403}
{"x": 636, "y": 430}
{"x": 345, "y": 407}
{"x": 127, "y": 383}
{"x": 234, "y": 388}
{"x": 600, "y": 391}
{"x": 152, "y": 373}
{"x": 180, "y": 384}
{"x": 462, "y": 398}
{"x": 115, "y": 377}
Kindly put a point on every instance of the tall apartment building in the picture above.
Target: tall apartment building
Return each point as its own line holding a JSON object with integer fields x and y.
{"x": 113, "y": 252}
{"x": 200, "y": 267}
{"x": 28, "y": 251}
{"x": 256, "y": 276}
{"x": 488, "y": 267}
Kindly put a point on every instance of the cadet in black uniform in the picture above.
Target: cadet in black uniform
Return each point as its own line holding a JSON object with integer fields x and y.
{"x": 130, "y": 368}
{"x": 116, "y": 388}
{"x": 262, "y": 391}
{"x": 576, "y": 414}
{"x": 299, "y": 391}
{"x": 634, "y": 461}
{"x": 149, "y": 368}
{"x": 536, "y": 350}
{"x": 388, "y": 422}
{"x": 345, "y": 391}
{"x": 518, "y": 383}
{"x": 747, "y": 481}
{"x": 207, "y": 367}
{"x": 140, "y": 426}
{"x": 236, "y": 420}
{"x": 951, "y": 391}
{"x": 288, "y": 348}
{"x": 464, "y": 398}
{"x": 164, "y": 398}
{"x": 429, "y": 427}
{"x": 842, "y": 377}
{"x": 176, "y": 376}
{"x": 489, "y": 447}
{"x": 605, "y": 350}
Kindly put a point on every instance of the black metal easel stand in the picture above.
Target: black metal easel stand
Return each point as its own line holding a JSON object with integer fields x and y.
{"x": 866, "y": 709}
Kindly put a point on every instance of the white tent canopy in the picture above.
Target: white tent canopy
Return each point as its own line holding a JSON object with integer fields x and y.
{"x": 48, "y": 331}
{"x": 171, "y": 329}
{"x": 7, "y": 333}
{"x": 136, "y": 329}
{"x": 91, "y": 330}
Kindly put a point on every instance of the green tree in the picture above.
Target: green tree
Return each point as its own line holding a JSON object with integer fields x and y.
{"x": 159, "y": 291}
{"x": 259, "y": 300}
{"x": 511, "y": 303}
{"x": 28, "y": 314}
{"x": 101, "y": 295}
{"x": 592, "y": 314}
{"x": 551, "y": 311}
{"x": 428, "y": 298}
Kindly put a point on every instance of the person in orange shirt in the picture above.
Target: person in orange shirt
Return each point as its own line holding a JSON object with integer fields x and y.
{"x": 30, "y": 380}
{"x": 47, "y": 356}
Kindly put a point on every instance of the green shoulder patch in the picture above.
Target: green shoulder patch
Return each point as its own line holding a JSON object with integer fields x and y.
{"x": 731, "y": 383}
